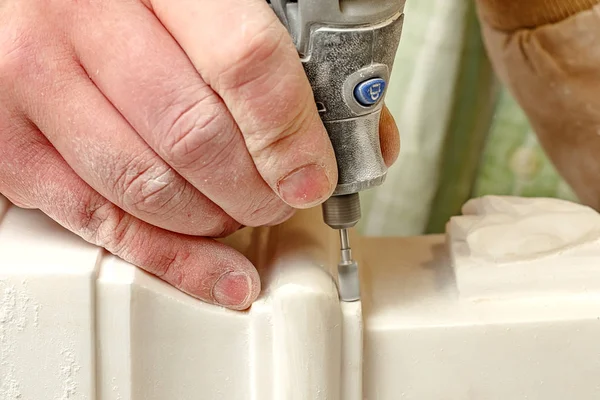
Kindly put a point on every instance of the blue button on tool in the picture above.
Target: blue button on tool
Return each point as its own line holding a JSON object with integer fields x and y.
{"x": 370, "y": 92}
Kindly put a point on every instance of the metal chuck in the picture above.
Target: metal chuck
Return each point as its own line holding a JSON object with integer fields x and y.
{"x": 343, "y": 213}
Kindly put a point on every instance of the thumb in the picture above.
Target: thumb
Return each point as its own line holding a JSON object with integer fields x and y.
{"x": 389, "y": 137}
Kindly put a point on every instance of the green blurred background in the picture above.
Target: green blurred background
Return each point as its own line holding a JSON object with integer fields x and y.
{"x": 463, "y": 135}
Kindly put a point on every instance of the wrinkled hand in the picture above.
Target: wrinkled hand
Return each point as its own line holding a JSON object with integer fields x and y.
{"x": 150, "y": 126}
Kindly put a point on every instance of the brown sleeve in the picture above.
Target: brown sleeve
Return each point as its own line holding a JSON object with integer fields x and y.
{"x": 548, "y": 53}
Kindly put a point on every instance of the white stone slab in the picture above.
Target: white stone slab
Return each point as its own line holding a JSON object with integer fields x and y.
{"x": 510, "y": 246}
{"x": 438, "y": 319}
{"x": 47, "y": 310}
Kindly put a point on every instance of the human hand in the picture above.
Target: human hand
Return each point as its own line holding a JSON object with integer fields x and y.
{"x": 149, "y": 127}
{"x": 547, "y": 54}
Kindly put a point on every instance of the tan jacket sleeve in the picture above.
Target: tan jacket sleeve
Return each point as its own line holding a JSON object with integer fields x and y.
{"x": 548, "y": 53}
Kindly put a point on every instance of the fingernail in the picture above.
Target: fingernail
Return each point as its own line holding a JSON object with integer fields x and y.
{"x": 305, "y": 187}
{"x": 232, "y": 289}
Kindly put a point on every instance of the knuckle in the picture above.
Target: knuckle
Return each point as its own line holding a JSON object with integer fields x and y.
{"x": 170, "y": 267}
{"x": 263, "y": 45}
{"x": 280, "y": 138}
{"x": 247, "y": 61}
{"x": 103, "y": 224}
{"x": 195, "y": 136}
{"x": 150, "y": 188}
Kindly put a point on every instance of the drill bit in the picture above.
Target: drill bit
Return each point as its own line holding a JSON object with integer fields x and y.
{"x": 347, "y": 270}
{"x": 345, "y": 245}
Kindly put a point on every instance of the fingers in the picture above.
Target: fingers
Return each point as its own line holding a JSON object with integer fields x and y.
{"x": 389, "y": 137}
{"x": 103, "y": 149}
{"x": 256, "y": 70}
{"x": 203, "y": 268}
{"x": 144, "y": 72}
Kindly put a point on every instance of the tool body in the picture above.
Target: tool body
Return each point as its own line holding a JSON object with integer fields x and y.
{"x": 347, "y": 48}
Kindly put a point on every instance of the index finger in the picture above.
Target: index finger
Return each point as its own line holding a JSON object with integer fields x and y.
{"x": 242, "y": 51}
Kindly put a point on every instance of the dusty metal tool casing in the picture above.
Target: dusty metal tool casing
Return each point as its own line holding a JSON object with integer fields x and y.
{"x": 347, "y": 48}
{"x": 343, "y": 43}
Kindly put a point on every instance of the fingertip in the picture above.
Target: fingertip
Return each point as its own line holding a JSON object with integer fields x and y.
{"x": 306, "y": 186}
{"x": 207, "y": 270}
{"x": 389, "y": 137}
{"x": 235, "y": 290}
{"x": 238, "y": 286}
{"x": 308, "y": 168}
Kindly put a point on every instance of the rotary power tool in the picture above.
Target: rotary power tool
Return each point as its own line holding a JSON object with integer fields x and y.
{"x": 347, "y": 48}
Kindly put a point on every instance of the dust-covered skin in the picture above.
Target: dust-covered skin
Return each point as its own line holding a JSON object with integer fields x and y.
{"x": 149, "y": 127}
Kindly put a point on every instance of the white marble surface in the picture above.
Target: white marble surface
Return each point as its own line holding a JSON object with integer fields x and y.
{"x": 509, "y": 246}
{"x": 76, "y": 323}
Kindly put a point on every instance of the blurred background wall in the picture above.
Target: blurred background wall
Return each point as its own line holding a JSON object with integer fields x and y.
{"x": 462, "y": 133}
